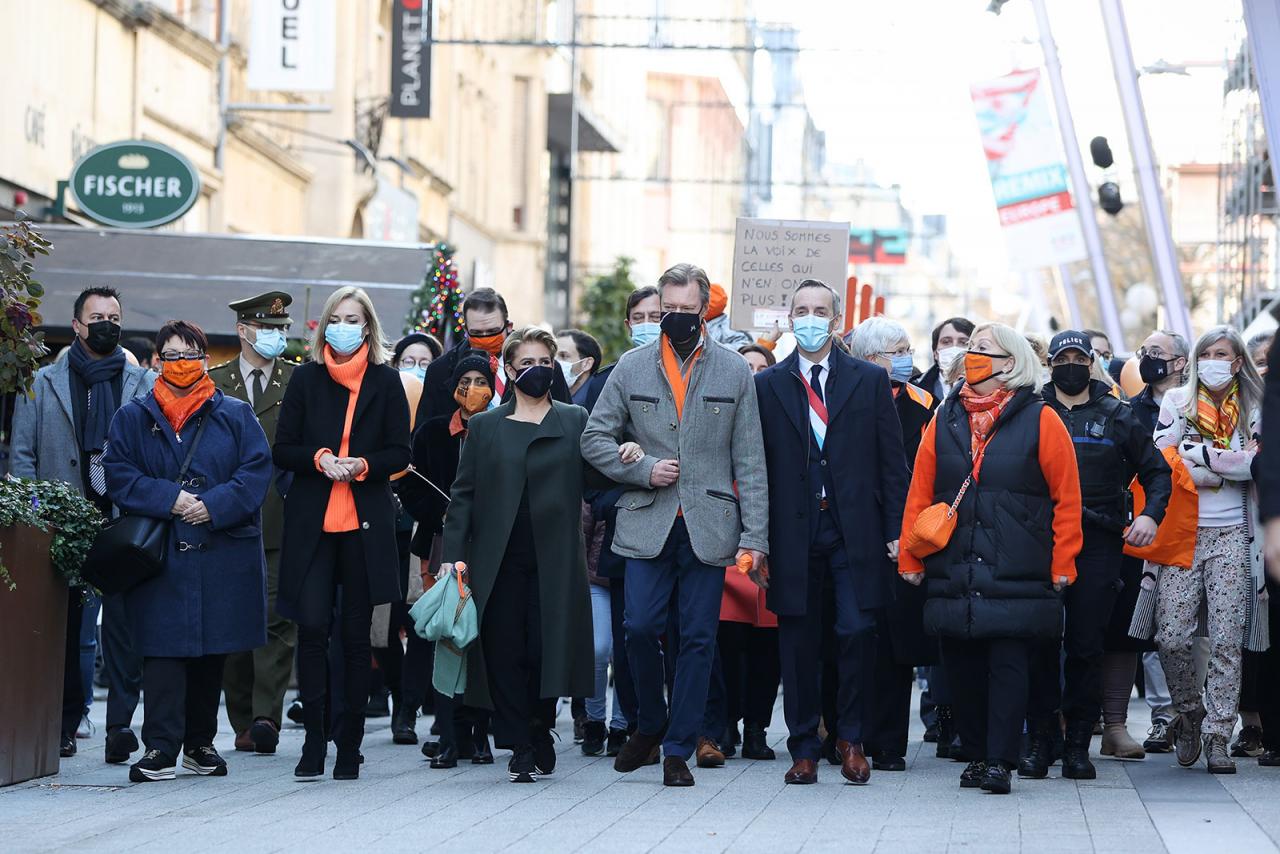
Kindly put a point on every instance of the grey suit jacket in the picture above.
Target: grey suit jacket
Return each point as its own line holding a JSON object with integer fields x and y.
{"x": 44, "y": 445}
{"x": 717, "y": 443}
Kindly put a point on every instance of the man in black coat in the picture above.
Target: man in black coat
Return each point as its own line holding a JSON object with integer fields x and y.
{"x": 485, "y": 319}
{"x": 950, "y": 338}
{"x": 822, "y": 412}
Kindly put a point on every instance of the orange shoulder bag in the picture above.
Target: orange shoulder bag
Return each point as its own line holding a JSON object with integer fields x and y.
{"x": 932, "y": 529}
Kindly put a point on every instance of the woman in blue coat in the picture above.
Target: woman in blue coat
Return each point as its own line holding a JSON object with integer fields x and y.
{"x": 210, "y": 598}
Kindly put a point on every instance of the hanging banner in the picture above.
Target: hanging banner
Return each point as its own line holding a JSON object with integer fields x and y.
{"x": 292, "y": 45}
{"x": 1025, "y": 163}
{"x": 771, "y": 257}
{"x": 411, "y": 59}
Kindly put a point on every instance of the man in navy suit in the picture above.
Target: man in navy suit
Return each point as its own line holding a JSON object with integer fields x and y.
{"x": 837, "y": 485}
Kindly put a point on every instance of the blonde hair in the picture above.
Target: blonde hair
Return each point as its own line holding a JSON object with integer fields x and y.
{"x": 528, "y": 335}
{"x": 379, "y": 349}
{"x": 1026, "y": 365}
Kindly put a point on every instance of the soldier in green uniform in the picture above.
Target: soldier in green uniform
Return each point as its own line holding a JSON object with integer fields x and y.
{"x": 255, "y": 682}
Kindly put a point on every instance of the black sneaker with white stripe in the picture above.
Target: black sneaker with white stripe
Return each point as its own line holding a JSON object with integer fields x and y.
{"x": 522, "y": 767}
{"x": 205, "y": 761}
{"x": 153, "y": 766}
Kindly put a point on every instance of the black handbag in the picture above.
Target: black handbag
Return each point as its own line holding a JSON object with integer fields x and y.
{"x": 131, "y": 549}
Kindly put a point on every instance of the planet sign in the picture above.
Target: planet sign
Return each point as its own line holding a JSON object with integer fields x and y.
{"x": 134, "y": 184}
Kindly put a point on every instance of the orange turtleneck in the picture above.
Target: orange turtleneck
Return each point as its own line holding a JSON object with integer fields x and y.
{"x": 340, "y": 515}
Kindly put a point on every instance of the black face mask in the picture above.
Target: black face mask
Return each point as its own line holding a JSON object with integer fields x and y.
{"x": 104, "y": 335}
{"x": 1070, "y": 379}
{"x": 1152, "y": 370}
{"x": 681, "y": 326}
{"x": 536, "y": 381}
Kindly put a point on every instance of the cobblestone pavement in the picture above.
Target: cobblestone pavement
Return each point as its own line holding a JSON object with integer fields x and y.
{"x": 399, "y": 804}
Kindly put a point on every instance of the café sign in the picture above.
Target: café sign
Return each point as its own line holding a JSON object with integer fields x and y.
{"x": 134, "y": 184}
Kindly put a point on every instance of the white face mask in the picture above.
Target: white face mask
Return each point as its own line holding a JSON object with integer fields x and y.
{"x": 1215, "y": 374}
{"x": 947, "y": 357}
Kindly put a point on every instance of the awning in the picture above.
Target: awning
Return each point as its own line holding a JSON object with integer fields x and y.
{"x": 592, "y": 136}
{"x": 165, "y": 275}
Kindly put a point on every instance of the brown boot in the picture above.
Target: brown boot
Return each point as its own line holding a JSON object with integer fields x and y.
{"x": 1117, "y": 742}
{"x": 675, "y": 772}
{"x": 709, "y": 755}
{"x": 640, "y": 750}
{"x": 243, "y": 742}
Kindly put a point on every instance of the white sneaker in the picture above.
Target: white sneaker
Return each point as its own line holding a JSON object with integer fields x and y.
{"x": 86, "y": 728}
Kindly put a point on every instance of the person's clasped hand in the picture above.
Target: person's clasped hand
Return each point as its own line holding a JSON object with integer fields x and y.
{"x": 182, "y": 502}
{"x": 196, "y": 513}
{"x": 665, "y": 473}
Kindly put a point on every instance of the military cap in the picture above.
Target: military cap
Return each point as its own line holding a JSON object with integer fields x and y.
{"x": 269, "y": 309}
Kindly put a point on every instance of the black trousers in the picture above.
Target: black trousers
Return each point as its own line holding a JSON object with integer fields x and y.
{"x": 800, "y": 648}
{"x": 752, "y": 668}
{"x": 1269, "y": 675}
{"x": 181, "y": 702}
{"x": 72, "y": 684}
{"x": 339, "y": 562}
{"x": 989, "y": 695}
{"x": 122, "y": 663}
{"x": 1087, "y": 606}
{"x": 623, "y": 681}
{"x": 511, "y": 636}
{"x": 890, "y": 706}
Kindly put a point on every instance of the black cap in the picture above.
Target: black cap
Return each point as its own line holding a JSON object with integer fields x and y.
{"x": 1069, "y": 339}
{"x": 473, "y": 360}
{"x": 269, "y": 309}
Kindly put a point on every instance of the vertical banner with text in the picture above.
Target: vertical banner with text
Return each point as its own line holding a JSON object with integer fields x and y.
{"x": 771, "y": 257}
{"x": 293, "y": 45}
{"x": 1025, "y": 162}
{"x": 411, "y": 59}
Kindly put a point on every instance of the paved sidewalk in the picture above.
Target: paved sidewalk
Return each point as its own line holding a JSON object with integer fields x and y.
{"x": 399, "y": 804}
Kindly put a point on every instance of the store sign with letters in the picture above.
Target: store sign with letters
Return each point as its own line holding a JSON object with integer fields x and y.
{"x": 293, "y": 45}
{"x": 134, "y": 184}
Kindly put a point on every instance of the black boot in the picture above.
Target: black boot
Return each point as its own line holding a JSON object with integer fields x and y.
{"x": 346, "y": 765}
{"x": 403, "y": 722}
{"x": 946, "y": 732}
{"x": 593, "y": 736}
{"x": 754, "y": 745}
{"x": 316, "y": 745}
{"x": 1039, "y": 756}
{"x": 1075, "y": 757}
{"x": 480, "y": 735}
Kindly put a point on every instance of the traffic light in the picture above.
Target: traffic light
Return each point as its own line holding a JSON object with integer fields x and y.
{"x": 1109, "y": 198}
{"x": 1101, "y": 152}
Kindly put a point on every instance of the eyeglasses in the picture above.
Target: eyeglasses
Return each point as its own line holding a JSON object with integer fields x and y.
{"x": 171, "y": 356}
{"x": 410, "y": 362}
{"x": 1155, "y": 353}
{"x": 901, "y": 351}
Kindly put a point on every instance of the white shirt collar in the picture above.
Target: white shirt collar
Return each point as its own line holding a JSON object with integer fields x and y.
{"x": 247, "y": 369}
{"x": 824, "y": 363}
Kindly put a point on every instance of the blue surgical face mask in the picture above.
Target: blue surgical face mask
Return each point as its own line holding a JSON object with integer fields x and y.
{"x": 269, "y": 343}
{"x": 416, "y": 371}
{"x": 902, "y": 368}
{"x": 645, "y": 333}
{"x": 344, "y": 338}
{"x": 1105, "y": 363}
{"x": 811, "y": 332}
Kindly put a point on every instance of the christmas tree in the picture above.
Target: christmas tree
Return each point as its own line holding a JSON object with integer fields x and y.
{"x": 436, "y": 306}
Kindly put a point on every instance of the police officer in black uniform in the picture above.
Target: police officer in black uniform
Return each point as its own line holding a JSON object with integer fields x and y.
{"x": 1111, "y": 448}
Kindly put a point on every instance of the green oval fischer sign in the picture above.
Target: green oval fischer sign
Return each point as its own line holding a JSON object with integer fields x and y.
{"x": 134, "y": 184}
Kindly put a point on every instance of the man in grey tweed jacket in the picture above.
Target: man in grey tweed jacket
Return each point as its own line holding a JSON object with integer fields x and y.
{"x": 698, "y": 500}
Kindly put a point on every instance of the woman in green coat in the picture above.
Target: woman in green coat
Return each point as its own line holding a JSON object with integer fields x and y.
{"x": 514, "y": 517}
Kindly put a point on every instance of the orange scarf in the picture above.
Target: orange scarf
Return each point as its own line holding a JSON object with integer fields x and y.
{"x": 178, "y": 410}
{"x": 340, "y": 515}
{"x": 984, "y": 410}
{"x": 1215, "y": 422}
{"x": 678, "y": 375}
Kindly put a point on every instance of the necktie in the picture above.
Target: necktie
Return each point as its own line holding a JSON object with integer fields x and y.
{"x": 814, "y": 374}
{"x": 97, "y": 474}
{"x": 259, "y": 385}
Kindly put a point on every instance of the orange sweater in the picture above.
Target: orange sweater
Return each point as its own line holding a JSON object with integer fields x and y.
{"x": 1058, "y": 464}
{"x": 340, "y": 514}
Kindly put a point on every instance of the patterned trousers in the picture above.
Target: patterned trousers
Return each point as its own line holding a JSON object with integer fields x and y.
{"x": 1219, "y": 575}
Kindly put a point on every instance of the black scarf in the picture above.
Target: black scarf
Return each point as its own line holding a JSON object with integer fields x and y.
{"x": 98, "y": 376}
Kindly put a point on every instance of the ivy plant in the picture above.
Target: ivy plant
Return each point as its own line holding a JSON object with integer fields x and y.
{"x": 55, "y": 507}
{"x": 21, "y": 346}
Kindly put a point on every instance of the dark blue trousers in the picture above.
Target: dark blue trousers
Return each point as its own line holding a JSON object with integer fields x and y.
{"x": 698, "y": 587}
{"x": 800, "y": 647}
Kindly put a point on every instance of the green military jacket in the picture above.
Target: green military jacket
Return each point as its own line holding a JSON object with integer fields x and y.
{"x": 227, "y": 378}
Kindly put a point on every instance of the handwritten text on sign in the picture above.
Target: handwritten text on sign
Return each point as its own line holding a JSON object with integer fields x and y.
{"x": 771, "y": 257}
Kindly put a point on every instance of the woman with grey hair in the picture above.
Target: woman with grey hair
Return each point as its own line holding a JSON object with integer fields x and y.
{"x": 901, "y": 642}
{"x": 1258, "y": 346}
{"x": 1005, "y": 465}
{"x": 1213, "y": 421}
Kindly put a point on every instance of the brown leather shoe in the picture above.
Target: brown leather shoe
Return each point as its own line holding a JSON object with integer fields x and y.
{"x": 675, "y": 772}
{"x": 640, "y": 750}
{"x": 243, "y": 742}
{"x": 853, "y": 766}
{"x": 709, "y": 754}
{"x": 804, "y": 773}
